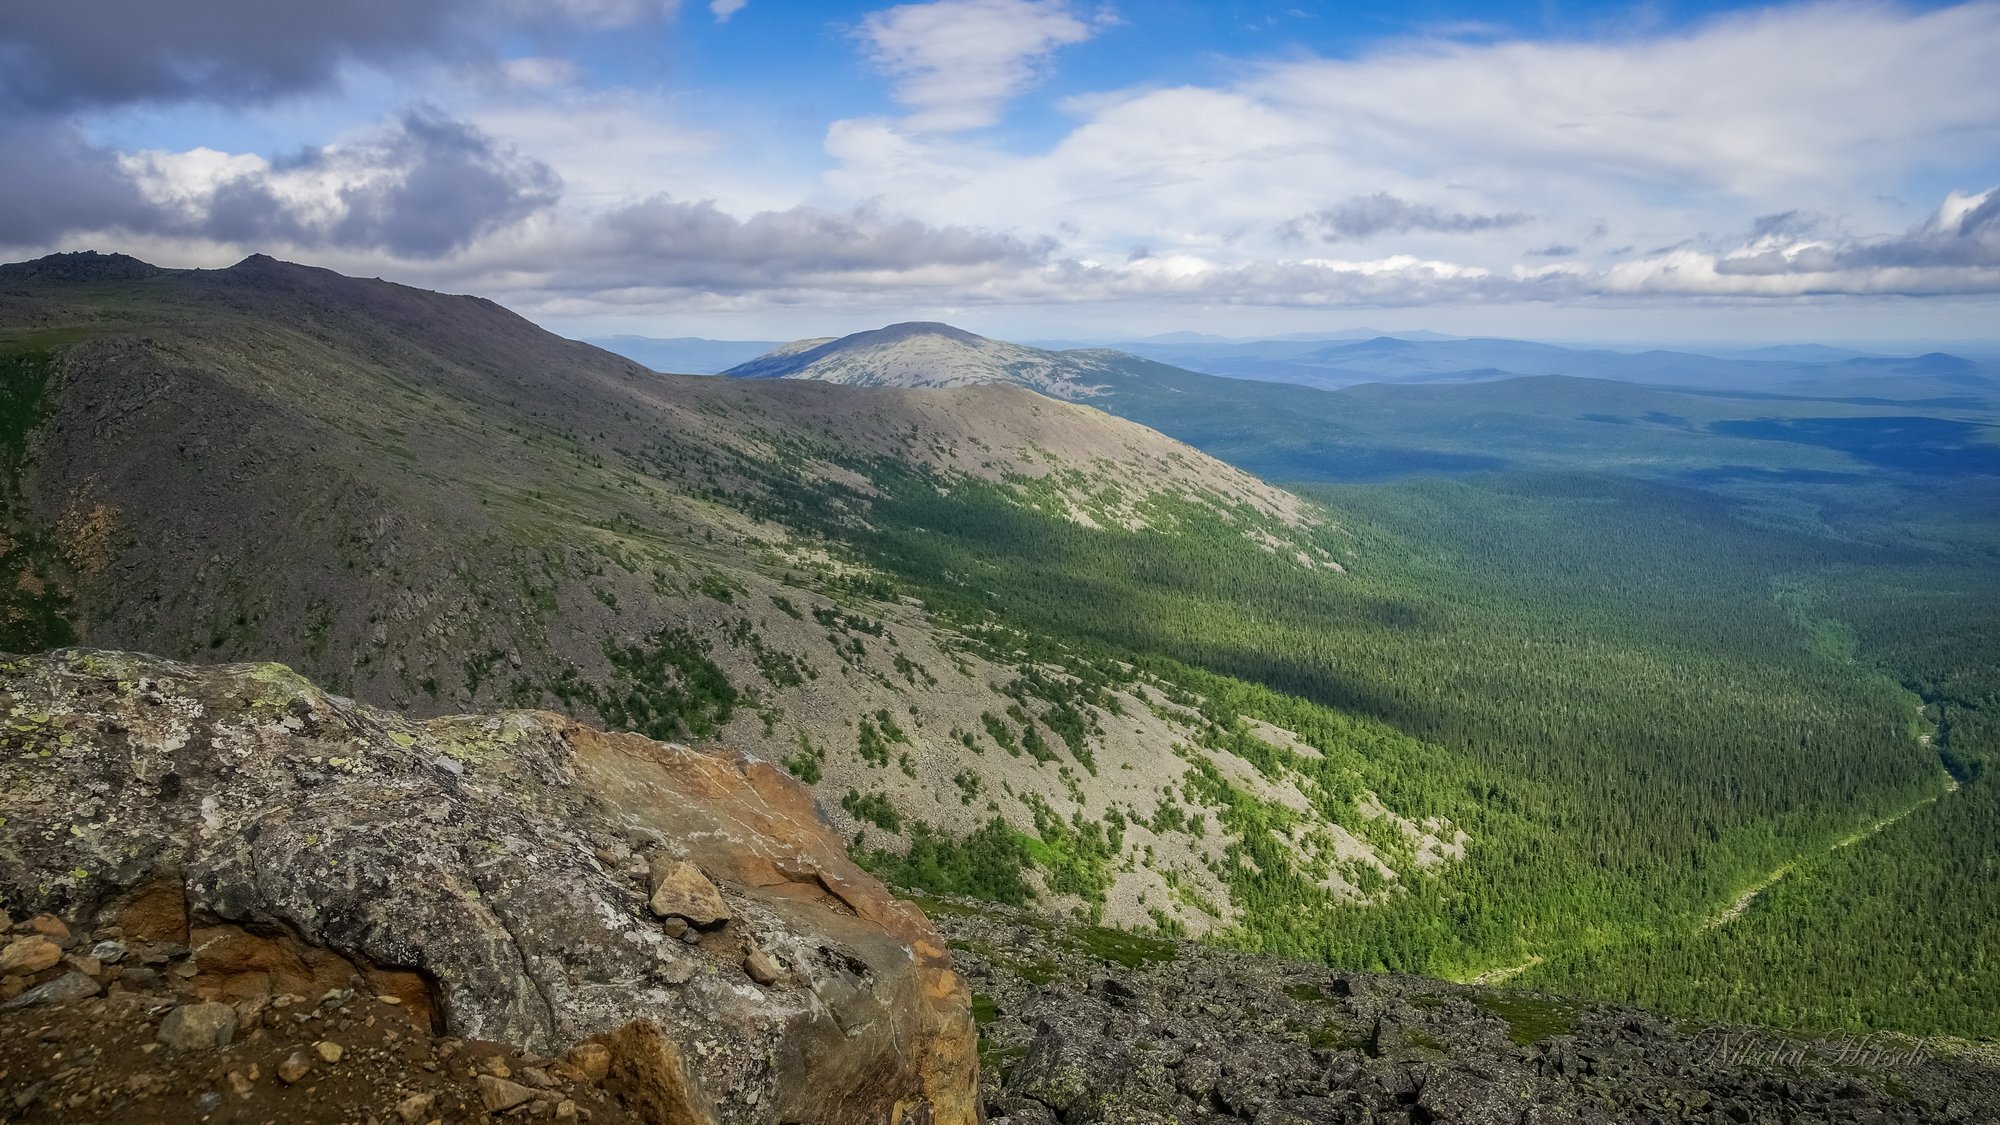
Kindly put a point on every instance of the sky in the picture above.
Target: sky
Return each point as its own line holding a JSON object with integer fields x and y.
{"x": 1035, "y": 169}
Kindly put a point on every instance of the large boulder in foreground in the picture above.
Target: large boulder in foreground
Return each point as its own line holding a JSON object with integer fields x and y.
{"x": 502, "y": 869}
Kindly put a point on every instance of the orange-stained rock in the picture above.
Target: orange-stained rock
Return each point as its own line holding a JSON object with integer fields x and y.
{"x": 680, "y": 890}
{"x": 300, "y": 843}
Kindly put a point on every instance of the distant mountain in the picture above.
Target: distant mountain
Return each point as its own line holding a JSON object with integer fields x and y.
{"x": 926, "y": 354}
{"x": 684, "y": 355}
{"x": 1803, "y": 369}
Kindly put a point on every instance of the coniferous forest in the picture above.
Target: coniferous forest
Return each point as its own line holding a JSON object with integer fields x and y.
{"x": 1645, "y": 696}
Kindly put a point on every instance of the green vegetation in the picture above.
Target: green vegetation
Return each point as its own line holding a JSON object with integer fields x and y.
{"x": 34, "y": 607}
{"x": 875, "y": 808}
{"x": 1637, "y": 694}
{"x": 988, "y": 863}
{"x": 663, "y": 687}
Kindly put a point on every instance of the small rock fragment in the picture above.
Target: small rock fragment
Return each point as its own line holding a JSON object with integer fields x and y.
{"x": 199, "y": 1026}
{"x": 591, "y": 1060}
{"x": 762, "y": 967}
{"x": 566, "y": 1110}
{"x": 329, "y": 1050}
{"x": 680, "y": 890}
{"x": 294, "y": 1068}
{"x": 242, "y": 1083}
{"x": 415, "y": 1108}
{"x": 29, "y": 955}
{"x": 49, "y": 926}
{"x": 498, "y": 1094}
{"x": 108, "y": 952}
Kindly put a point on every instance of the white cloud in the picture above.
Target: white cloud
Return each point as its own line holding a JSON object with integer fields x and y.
{"x": 723, "y": 9}
{"x": 958, "y": 62}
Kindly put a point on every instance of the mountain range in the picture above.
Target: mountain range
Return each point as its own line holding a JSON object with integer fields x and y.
{"x": 920, "y": 354}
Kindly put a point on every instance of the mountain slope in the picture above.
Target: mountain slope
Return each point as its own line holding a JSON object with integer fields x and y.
{"x": 425, "y": 501}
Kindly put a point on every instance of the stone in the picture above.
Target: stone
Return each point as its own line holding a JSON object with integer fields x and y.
{"x": 762, "y": 968}
{"x": 650, "y": 1075}
{"x": 65, "y": 989}
{"x": 566, "y": 1110}
{"x": 591, "y": 1061}
{"x": 329, "y": 1050}
{"x": 499, "y": 1095}
{"x": 680, "y": 890}
{"x": 194, "y": 1027}
{"x": 365, "y": 864}
{"x": 415, "y": 1108}
{"x": 29, "y": 955}
{"x": 294, "y": 1068}
{"x": 50, "y": 926}
{"x": 242, "y": 1083}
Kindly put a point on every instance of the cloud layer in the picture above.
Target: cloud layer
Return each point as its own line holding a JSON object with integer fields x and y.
{"x": 1764, "y": 154}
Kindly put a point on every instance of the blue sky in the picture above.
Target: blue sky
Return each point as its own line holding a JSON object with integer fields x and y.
{"x": 1044, "y": 168}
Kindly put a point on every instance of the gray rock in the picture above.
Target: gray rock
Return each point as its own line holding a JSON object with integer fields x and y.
{"x": 270, "y": 808}
{"x": 65, "y": 989}
{"x": 196, "y": 1027}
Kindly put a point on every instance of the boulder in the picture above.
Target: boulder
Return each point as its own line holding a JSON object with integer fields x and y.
{"x": 680, "y": 890}
{"x": 296, "y": 841}
{"x": 194, "y": 1027}
{"x": 29, "y": 955}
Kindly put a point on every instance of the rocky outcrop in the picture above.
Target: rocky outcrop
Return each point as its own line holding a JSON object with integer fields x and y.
{"x": 1084, "y": 1025}
{"x": 494, "y": 875}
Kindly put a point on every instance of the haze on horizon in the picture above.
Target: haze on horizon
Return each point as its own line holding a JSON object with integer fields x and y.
{"x": 1041, "y": 169}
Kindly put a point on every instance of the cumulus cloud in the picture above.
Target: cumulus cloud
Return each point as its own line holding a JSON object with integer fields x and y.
{"x": 423, "y": 187}
{"x": 723, "y": 9}
{"x": 956, "y": 63}
{"x": 1365, "y": 216}
{"x": 1956, "y": 249}
{"x": 60, "y": 57}
{"x": 663, "y": 243}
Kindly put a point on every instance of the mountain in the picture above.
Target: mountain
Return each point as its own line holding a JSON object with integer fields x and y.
{"x": 424, "y": 501}
{"x": 686, "y": 355}
{"x": 924, "y": 354}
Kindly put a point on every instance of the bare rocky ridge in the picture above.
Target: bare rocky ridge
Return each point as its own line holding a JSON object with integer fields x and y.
{"x": 923, "y": 354}
{"x": 425, "y": 502}
{"x": 498, "y": 877}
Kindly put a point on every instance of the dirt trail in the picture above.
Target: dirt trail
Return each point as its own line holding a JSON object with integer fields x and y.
{"x": 1744, "y": 901}
{"x": 1495, "y": 976}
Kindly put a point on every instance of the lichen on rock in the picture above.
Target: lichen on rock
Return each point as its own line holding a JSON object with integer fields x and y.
{"x": 289, "y": 837}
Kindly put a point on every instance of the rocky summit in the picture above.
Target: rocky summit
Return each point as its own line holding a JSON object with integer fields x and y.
{"x": 228, "y": 860}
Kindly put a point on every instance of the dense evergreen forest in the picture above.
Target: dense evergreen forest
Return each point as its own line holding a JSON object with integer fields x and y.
{"x": 1643, "y": 694}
